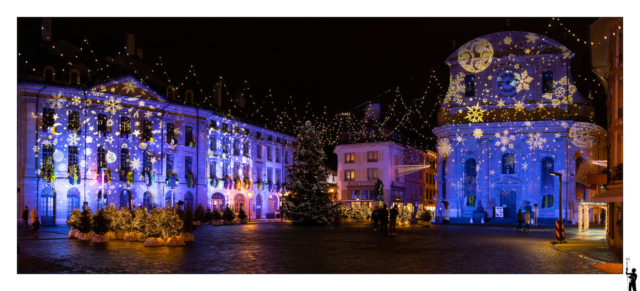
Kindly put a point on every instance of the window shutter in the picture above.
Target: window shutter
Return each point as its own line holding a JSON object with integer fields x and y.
{"x": 380, "y": 173}
{"x": 356, "y": 157}
{"x": 364, "y": 174}
{"x": 364, "y": 157}
{"x": 379, "y": 155}
{"x": 357, "y": 175}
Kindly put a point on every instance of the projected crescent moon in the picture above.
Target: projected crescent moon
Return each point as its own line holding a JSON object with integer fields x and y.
{"x": 53, "y": 129}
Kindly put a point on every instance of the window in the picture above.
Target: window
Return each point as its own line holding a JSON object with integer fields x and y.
{"x": 169, "y": 199}
{"x": 148, "y": 200}
{"x": 259, "y": 173}
{"x": 217, "y": 200}
{"x": 102, "y": 123}
{"x": 236, "y": 146}
{"x": 73, "y": 201}
{"x": 397, "y": 175}
{"x": 350, "y": 158}
{"x": 259, "y": 135}
{"x": 269, "y": 158}
{"x": 508, "y": 163}
{"x": 226, "y": 168}
{"x": 171, "y": 134}
{"x": 546, "y": 180}
{"x": 187, "y": 165}
{"x": 72, "y": 158}
{"x": 102, "y": 158}
{"x": 188, "y": 136}
{"x": 469, "y": 86}
{"x": 147, "y": 130}
{"x": 146, "y": 161}
{"x": 349, "y": 175}
{"x": 125, "y": 127}
{"x": 547, "y": 82}
{"x": 470, "y": 177}
{"x": 269, "y": 172}
{"x": 246, "y": 172}
{"x": 245, "y": 148}
{"x": 47, "y": 117}
{"x": 225, "y": 144}
{"x": 125, "y": 165}
{"x": 286, "y": 157}
{"x": 188, "y": 202}
{"x": 225, "y": 127}
{"x": 270, "y": 138}
{"x": 397, "y": 195}
{"x": 277, "y": 178}
{"x": 277, "y": 155}
{"x": 125, "y": 197}
{"x": 372, "y": 174}
{"x": 212, "y": 170}
{"x": 419, "y": 174}
{"x": 236, "y": 170}
{"x": 73, "y": 123}
{"x": 259, "y": 151}
{"x": 212, "y": 143}
{"x": 372, "y": 156}
{"x": 47, "y": 154}
{"x": 169, "y": 164}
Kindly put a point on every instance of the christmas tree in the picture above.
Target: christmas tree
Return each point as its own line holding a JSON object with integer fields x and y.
{"x": 309, "y": 201}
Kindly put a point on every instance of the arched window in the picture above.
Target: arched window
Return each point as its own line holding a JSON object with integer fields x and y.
{"x": 508, "y": 163}
{"x": 169, "y": 199}
{"x": 73, "y": 200}
{"x": 171, "y": 93}
{"x": 125, "y": 198}
{"x": 125, "y": 164}
{"x": 258, "y": 207}
{"x": 147, "y": 200}
{"x": 189, "y": 96}
{"x": 102, "y": 158}
{"x": 103, "y": 200}
{"x": 238, "y": 202}
{"x": 74, "y": 78}
{"x": 546, "y": 180}
{"x": 47, "y": 207}
{"x": 188, "y": 201}
{"x": 470, "y": 177}
{"x": 444, "y": 180}
{"x": 217, "y": 201}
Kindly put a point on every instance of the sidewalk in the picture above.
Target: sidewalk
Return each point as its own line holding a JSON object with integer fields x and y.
{"x": 46, "y": 232}
{"x": 591, "y": 245}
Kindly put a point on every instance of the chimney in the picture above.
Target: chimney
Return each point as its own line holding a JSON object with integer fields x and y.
{"x": 218, "y": 93}
{"x": 131, "y": 43}
{"x": 46, "y": 29}
{"x": 139, "y": 53}
{"x": 239, "y": 99}
{"x": 453, "y": 44}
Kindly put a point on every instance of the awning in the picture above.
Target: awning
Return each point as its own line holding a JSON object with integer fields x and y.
{"x": 611, "y": 195}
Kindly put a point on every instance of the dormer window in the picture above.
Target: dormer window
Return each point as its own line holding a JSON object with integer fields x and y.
{"x": 547, "y": 82}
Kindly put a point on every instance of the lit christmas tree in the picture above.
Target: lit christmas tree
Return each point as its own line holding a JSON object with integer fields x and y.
{"x": 309, "y": 201}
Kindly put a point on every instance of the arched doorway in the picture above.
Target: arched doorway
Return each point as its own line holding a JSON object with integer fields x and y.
{"x": 169, "y": 199}
{"x": 238, "y": 202}
{"x": 148, "y": 200}
{"x": 125, "y": 198}
{"x": 217, "y": 202}
{"x": 258, "y": 208}
{"x": 73, "y": 200}
{"x": 188, "y": 201}
{"x": 273, "y": 203}
{"x": 47, "y": 209}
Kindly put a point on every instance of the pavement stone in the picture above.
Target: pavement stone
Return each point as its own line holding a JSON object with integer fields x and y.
{"x": 284, "y": 248}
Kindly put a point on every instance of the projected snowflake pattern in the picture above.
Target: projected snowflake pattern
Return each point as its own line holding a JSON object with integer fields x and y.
{"x": 506, "y": 140}
{"x": 444, "y": 147}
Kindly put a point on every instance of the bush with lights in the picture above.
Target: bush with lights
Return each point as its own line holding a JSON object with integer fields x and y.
{"x": 86, "y": 220}
{"x": 100, "y": 223}
{"x": 309, "y": 201}
{"x": 140, "y": 220}
{"x": 241, "y": 214}
{"x": 404, "y": 214}
{"x": 198, "y": 215}
{"x": 228, "y": 214}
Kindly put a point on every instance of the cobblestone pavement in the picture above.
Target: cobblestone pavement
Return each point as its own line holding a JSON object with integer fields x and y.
{"x": 283, "y": 248}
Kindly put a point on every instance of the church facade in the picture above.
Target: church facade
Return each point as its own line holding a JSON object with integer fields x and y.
{"x": 511, "y": 117}
{"x": 121, "y": 142}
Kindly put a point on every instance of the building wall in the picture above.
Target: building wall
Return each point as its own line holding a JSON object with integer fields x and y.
{"x": 132, "y": 99}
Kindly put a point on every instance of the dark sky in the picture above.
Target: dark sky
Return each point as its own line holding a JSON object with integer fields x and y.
{"x": 337, "y": 62}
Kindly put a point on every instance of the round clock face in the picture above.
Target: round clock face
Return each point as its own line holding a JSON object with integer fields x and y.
{"x": 507, "y": 83}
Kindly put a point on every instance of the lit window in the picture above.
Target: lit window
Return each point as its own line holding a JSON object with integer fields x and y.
{"x": 372, "y": 156}
{"x": 372, "y": 174}
{"x": 350, "y": 158}
{"x": 349, "y": 175}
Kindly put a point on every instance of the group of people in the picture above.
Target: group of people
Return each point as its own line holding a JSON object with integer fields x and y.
{"x": 33, "y": 217}
{"x": 526, "y": 219}
{"x": 387, "y": 219}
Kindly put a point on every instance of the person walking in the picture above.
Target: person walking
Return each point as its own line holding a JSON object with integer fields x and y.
{"x": 375, "y": 216}
{"x": 393, "y": 213}
{"x": 25, "y": 220}
{"x": 35, "y": 224}
{"x": 519, "y": 216}
{"x": 527, "y": 221}
{"x": 632, "y": 277}
{"x": 384, "y": 220}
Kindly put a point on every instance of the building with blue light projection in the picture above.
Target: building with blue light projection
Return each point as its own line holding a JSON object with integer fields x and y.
{"x": 511, "y": 116}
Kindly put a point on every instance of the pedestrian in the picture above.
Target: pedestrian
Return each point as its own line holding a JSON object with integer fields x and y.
{"x": 384, "y": 220}
{"x": 519, "y": 216}
{"x": 25, "y": 220}
{"x": 35, "y": 224}
{"x": 527, "y": 221}
{"x": 393, "y": 216}
{"x": 375, "y": 216}
{"x": 633, "y": 277}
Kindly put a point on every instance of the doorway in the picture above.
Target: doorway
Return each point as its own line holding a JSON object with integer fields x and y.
{"x": 508, "y": 198}
{"x": 258, "y": 206}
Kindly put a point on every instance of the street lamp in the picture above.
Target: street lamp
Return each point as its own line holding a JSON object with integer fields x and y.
{"x": 561, "y": 230}
{"x": 250, "y": 204}
{"x": 281, "y": 204}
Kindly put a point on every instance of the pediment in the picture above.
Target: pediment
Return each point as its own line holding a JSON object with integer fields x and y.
{"x": 127, "y": 86}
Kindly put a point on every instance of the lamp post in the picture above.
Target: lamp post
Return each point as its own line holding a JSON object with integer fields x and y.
{"x": 250, "y": 204}
{"x": 561, "y": 230}
{"x": 281, "y": 203}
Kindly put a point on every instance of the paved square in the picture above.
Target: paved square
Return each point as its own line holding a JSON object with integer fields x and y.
{"x": 283, "y": 248}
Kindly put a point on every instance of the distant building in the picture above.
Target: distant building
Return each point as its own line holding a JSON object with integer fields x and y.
{"x": 606, "y": 61}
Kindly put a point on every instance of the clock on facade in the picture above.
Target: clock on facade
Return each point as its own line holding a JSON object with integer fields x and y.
{"x": 507, "y": 83}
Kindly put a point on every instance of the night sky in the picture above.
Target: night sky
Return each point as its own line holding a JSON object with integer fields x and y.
{"x": 335, "y": 62}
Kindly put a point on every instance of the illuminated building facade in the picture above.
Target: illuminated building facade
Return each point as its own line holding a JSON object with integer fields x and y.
{"x": 512, "y": 115}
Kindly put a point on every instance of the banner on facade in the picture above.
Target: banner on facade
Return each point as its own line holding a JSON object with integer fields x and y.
{"x": 582, "y": 174}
